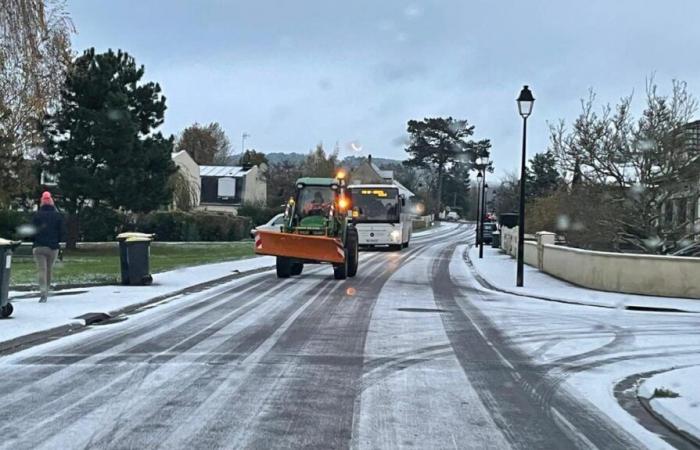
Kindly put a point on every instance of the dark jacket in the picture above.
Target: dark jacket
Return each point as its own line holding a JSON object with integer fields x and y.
{"x": 50, "y": 228}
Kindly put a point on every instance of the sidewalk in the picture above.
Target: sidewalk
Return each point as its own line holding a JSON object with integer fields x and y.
{"x": 498, "y": 270}
{"x": 63, "y": 310}
{"x": 682, "y": 412}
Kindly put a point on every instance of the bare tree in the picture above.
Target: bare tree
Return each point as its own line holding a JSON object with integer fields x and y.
{"x": 640, "y": 164}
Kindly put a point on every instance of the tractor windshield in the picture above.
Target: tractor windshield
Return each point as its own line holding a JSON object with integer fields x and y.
{"x": 314, "y": 201}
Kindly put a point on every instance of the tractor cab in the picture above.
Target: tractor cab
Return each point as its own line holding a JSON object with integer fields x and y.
{"x": 319, "y": 207}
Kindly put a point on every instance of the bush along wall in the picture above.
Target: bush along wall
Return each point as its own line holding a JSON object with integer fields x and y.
{"x": 10, "y": 220}
{"x": 258, "y": 214}
{"x": 100, "y": 224}
{"x": 194, "y": 226}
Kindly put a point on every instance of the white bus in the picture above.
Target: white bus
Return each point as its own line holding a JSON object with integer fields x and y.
{"x": 382, "y": 217}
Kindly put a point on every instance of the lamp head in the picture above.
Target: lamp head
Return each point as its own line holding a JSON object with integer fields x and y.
{"x": 525, "y": 102}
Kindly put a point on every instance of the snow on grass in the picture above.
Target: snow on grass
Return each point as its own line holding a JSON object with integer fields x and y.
{"x": 95, "y": 263}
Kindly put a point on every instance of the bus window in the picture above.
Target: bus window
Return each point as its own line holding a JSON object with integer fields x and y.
{"x": 376, "y": 205}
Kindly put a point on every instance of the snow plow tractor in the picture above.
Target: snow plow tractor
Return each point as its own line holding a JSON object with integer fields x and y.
{"x": 318, "y": 228}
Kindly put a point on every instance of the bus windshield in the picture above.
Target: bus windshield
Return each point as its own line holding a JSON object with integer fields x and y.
{"x": 376, "y": 204}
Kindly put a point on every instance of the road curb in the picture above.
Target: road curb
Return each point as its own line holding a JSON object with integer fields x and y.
{"x": 488, "y": 285}
{"x": 645, "y": 397}
{"x": 81, "y": 322}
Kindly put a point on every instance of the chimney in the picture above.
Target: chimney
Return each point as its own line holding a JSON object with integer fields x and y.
{"x": 369, "y": 159}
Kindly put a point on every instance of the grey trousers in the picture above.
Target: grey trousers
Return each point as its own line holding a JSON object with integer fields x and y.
{"x": 44, "y": 258}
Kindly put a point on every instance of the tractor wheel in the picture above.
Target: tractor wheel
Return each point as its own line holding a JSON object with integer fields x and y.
{"x": 284, "y": 267}
{"x": 297, "y": 268}
{"x": 6, "y": 311}
{"x": 351, "y": 250}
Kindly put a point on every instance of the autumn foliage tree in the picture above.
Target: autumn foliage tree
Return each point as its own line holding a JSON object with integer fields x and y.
{"x": 34, "y": 53}
{"x": 206, "y": 144}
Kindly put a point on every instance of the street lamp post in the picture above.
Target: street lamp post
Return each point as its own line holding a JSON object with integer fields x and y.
{"x": 478, "y": 206}
{"x": 525, "y": 102}
{"x": 484, "y": 186}
{"x": 481, "y": 164}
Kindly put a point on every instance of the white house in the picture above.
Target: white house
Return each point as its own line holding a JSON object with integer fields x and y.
{"x": 223, "y": 188}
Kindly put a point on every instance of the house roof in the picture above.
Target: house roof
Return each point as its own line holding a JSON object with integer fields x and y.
{"x": 315, "y": 181}
{"x": 222, "y": 171}
{"x": 386, "y": 174}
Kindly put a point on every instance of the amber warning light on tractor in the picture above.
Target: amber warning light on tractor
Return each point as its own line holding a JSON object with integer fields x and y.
{"x": 376, "y": 192}
{"x": 343, "y": 203}
{"x": 340, "y": 175}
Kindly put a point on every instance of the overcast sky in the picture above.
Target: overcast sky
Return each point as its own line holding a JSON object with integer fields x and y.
{"x": 293, "y": 73}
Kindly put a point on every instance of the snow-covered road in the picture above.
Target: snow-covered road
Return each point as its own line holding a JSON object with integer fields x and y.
{"x": 413, "y": 352}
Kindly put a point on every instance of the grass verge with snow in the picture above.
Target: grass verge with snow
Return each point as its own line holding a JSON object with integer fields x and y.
{"x": 96, "y": 265}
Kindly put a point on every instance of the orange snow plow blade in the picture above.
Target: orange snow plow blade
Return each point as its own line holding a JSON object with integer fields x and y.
{"x": 300, "y": 246}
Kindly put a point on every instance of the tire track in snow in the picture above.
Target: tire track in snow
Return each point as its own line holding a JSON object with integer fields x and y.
{"x": 507, "y": 379}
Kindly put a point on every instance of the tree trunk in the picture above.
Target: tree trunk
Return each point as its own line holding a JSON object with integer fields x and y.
{"x": 438, "y": 203}
{"x": 72, "y": 231}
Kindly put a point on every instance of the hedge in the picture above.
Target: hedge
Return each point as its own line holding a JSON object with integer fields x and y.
{"x": 10, "y": 220}
{"x": 193, "y": 226}
{"x": 103, "y": 224}
{"x": 258, "y": 214}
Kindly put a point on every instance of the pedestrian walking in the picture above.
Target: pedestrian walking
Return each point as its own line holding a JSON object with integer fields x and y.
{"x": 49, "y": 226}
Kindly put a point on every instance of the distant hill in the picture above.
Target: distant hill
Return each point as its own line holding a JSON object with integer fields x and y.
{"x": 297, "y": 158}
{"x": 354, "y": 161}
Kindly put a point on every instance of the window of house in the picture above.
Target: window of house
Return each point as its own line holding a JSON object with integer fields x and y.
{"x": 682, "y": 205}
{"x": 668, "y": 213}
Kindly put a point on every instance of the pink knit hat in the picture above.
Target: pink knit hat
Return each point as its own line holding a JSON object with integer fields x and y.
{"x": 46, "y": 198}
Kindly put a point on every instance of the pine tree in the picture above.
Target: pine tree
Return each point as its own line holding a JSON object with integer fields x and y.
{"x": 437, "y": 144}
{"x": 542, "y": 177}
{"x": 101, "y": 141}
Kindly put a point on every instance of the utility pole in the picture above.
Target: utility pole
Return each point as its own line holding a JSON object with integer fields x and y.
{"x": 244, "y": 136}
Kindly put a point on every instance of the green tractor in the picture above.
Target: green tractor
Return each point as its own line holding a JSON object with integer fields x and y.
{"x": 318, "y": 228}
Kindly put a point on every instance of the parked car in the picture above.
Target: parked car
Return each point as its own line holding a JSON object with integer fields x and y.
{"x": 452, "y": 216}
{"x": 489, "y": 228}
{"x": 273, "y": 224}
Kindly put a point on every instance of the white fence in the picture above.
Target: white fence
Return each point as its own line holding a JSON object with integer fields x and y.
{"x": 670, "y": 276}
